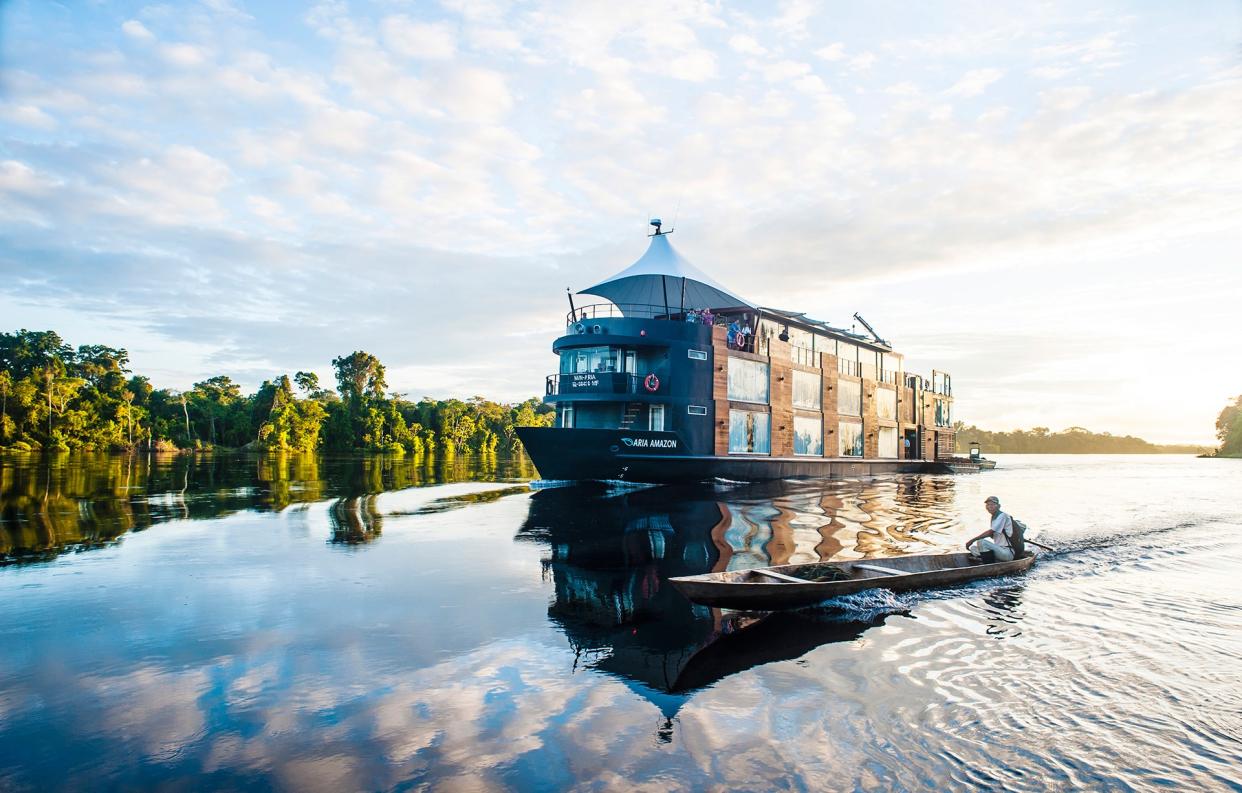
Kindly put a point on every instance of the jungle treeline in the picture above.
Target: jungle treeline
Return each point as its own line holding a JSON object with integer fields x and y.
{"x": 1074, "y": 440}
{"x": 1229, "y": 430}
{"x": 57, "y": 397}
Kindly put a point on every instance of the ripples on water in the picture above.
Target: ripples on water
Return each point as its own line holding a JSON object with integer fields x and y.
{"x": 307, "y": 623}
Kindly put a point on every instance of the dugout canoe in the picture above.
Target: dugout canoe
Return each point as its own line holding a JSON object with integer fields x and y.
{"x": 794, "y": 586}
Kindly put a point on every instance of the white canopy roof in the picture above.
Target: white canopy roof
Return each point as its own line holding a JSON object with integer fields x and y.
{"x": 660, "y": 272}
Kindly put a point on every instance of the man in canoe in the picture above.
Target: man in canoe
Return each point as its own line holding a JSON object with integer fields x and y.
{"x": 997, "y": 537}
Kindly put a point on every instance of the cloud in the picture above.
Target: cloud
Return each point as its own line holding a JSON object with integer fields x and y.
{"x": 183, "y": 55}
{"x": 429, "y": 41}
{"x": 862, "y": 62}
{"x": 27, "y": 116}
{"x": 833, "y": 52}
{"x": 136, "y": 30}
{"x": 747, "y": 45}
{"x": 975, "y": 82}
{"x": 784, "y": 70}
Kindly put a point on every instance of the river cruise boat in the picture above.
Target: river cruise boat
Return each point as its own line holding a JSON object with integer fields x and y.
{"x": 677, "y": 378}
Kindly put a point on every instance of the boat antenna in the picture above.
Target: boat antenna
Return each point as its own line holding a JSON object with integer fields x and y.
{"x": 573, "y": 312}
{"x": 657, "y": 223}
{"x": 870, "y": 329}
{"x": 676, "y": 212}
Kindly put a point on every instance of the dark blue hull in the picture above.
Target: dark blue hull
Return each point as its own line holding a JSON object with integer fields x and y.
{"x": 658, "y": 458}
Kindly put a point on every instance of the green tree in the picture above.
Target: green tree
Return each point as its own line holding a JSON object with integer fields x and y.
{"x": 1229, "y": 430}
{"x": 307, "y": 381}
{"x": 213, "y": 399}
{"x": 6, "y": 424}
{"x": 358, "y": 376}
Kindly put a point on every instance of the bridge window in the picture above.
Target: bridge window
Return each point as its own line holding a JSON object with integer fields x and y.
{"x": 591, "y": 359}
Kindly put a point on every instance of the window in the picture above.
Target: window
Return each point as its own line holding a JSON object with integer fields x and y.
{"x": 591, "y": 359}
{"x": 804, "y": 355}
{"x": 850, "y": 439}
{"x": 749, "y": 432}
{"x": 631, "y": 361}
{"x": 943, "y": 419}
{"x": 748, "y": 381}
{"x": 696, "y": 410}
{"x": 697, "y": 355}
{"x": 886, "y": 403}
{"x": 890, "y": 362}
{"x": 567, "y": 414}
{"x": 867, "y": 363}
{"x": 888, "y": 441}
{"x": 807, "y": 391}
{"x": 825, "y": 345}
{"x": 847, "y": 358}
{"x": 655, "y": 418}
{"x": 849, "y": 398}
{"x": 809, "y": 435}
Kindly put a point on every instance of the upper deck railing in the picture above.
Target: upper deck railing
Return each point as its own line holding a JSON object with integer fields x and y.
{"x": 638, "y": 311}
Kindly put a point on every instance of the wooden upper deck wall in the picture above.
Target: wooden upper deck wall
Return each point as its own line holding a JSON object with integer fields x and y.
{"x": 937, "y": 441}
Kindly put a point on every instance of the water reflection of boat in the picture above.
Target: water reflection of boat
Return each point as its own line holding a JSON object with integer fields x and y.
{"x": 610, "y": 558}
{"x": 757, "y": 640}
{"x": 800, "y": 585}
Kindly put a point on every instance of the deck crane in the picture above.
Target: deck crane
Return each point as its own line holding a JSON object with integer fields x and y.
{"x": 870, "y": 329}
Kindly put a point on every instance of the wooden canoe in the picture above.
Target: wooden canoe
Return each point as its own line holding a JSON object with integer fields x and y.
{"x": 794, "y": 586}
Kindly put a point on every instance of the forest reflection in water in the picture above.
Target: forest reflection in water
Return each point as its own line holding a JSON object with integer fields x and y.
{"x": 59, "y": 503}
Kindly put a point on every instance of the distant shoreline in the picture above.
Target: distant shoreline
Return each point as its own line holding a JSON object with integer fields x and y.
{"x": 1073, "y": 440}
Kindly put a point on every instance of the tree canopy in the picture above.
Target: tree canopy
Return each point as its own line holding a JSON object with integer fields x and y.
{"x": 1229, "y": 430}
{"x": 53, "y": 396}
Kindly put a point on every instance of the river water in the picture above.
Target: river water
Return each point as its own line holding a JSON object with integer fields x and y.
{"x": 313, "y": 623}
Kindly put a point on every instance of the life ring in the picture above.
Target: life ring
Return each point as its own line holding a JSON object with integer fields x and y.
{"x": 652, "y": 383}
{"x": 579, "y": 328}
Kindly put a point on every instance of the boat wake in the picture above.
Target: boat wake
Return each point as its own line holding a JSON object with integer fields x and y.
{"x": 549, "y": 484}
{"x": 1097, "y": 553}
{"x": 867, "y": 606}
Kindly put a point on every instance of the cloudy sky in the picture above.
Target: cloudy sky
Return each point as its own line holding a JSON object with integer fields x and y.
{"x": 1044, "y": 199}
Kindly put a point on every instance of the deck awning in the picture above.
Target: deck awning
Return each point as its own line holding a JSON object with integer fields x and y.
{"x": 659, "y": 274}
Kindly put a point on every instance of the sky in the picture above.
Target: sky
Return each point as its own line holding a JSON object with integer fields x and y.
{"x": 1044, "y": 199}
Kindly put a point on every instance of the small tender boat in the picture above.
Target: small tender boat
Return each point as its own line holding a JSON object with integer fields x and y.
{"x": 794, "y": 586}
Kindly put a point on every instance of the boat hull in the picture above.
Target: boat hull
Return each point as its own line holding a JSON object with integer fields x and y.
{"x": 746, "y": 589}
{"x": 657, "y": 458}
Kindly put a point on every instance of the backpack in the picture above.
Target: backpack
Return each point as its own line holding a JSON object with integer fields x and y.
{"x": 1017, "y": 540}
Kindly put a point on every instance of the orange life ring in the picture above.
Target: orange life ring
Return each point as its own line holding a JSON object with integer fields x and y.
{"x": 652, "y": 383}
